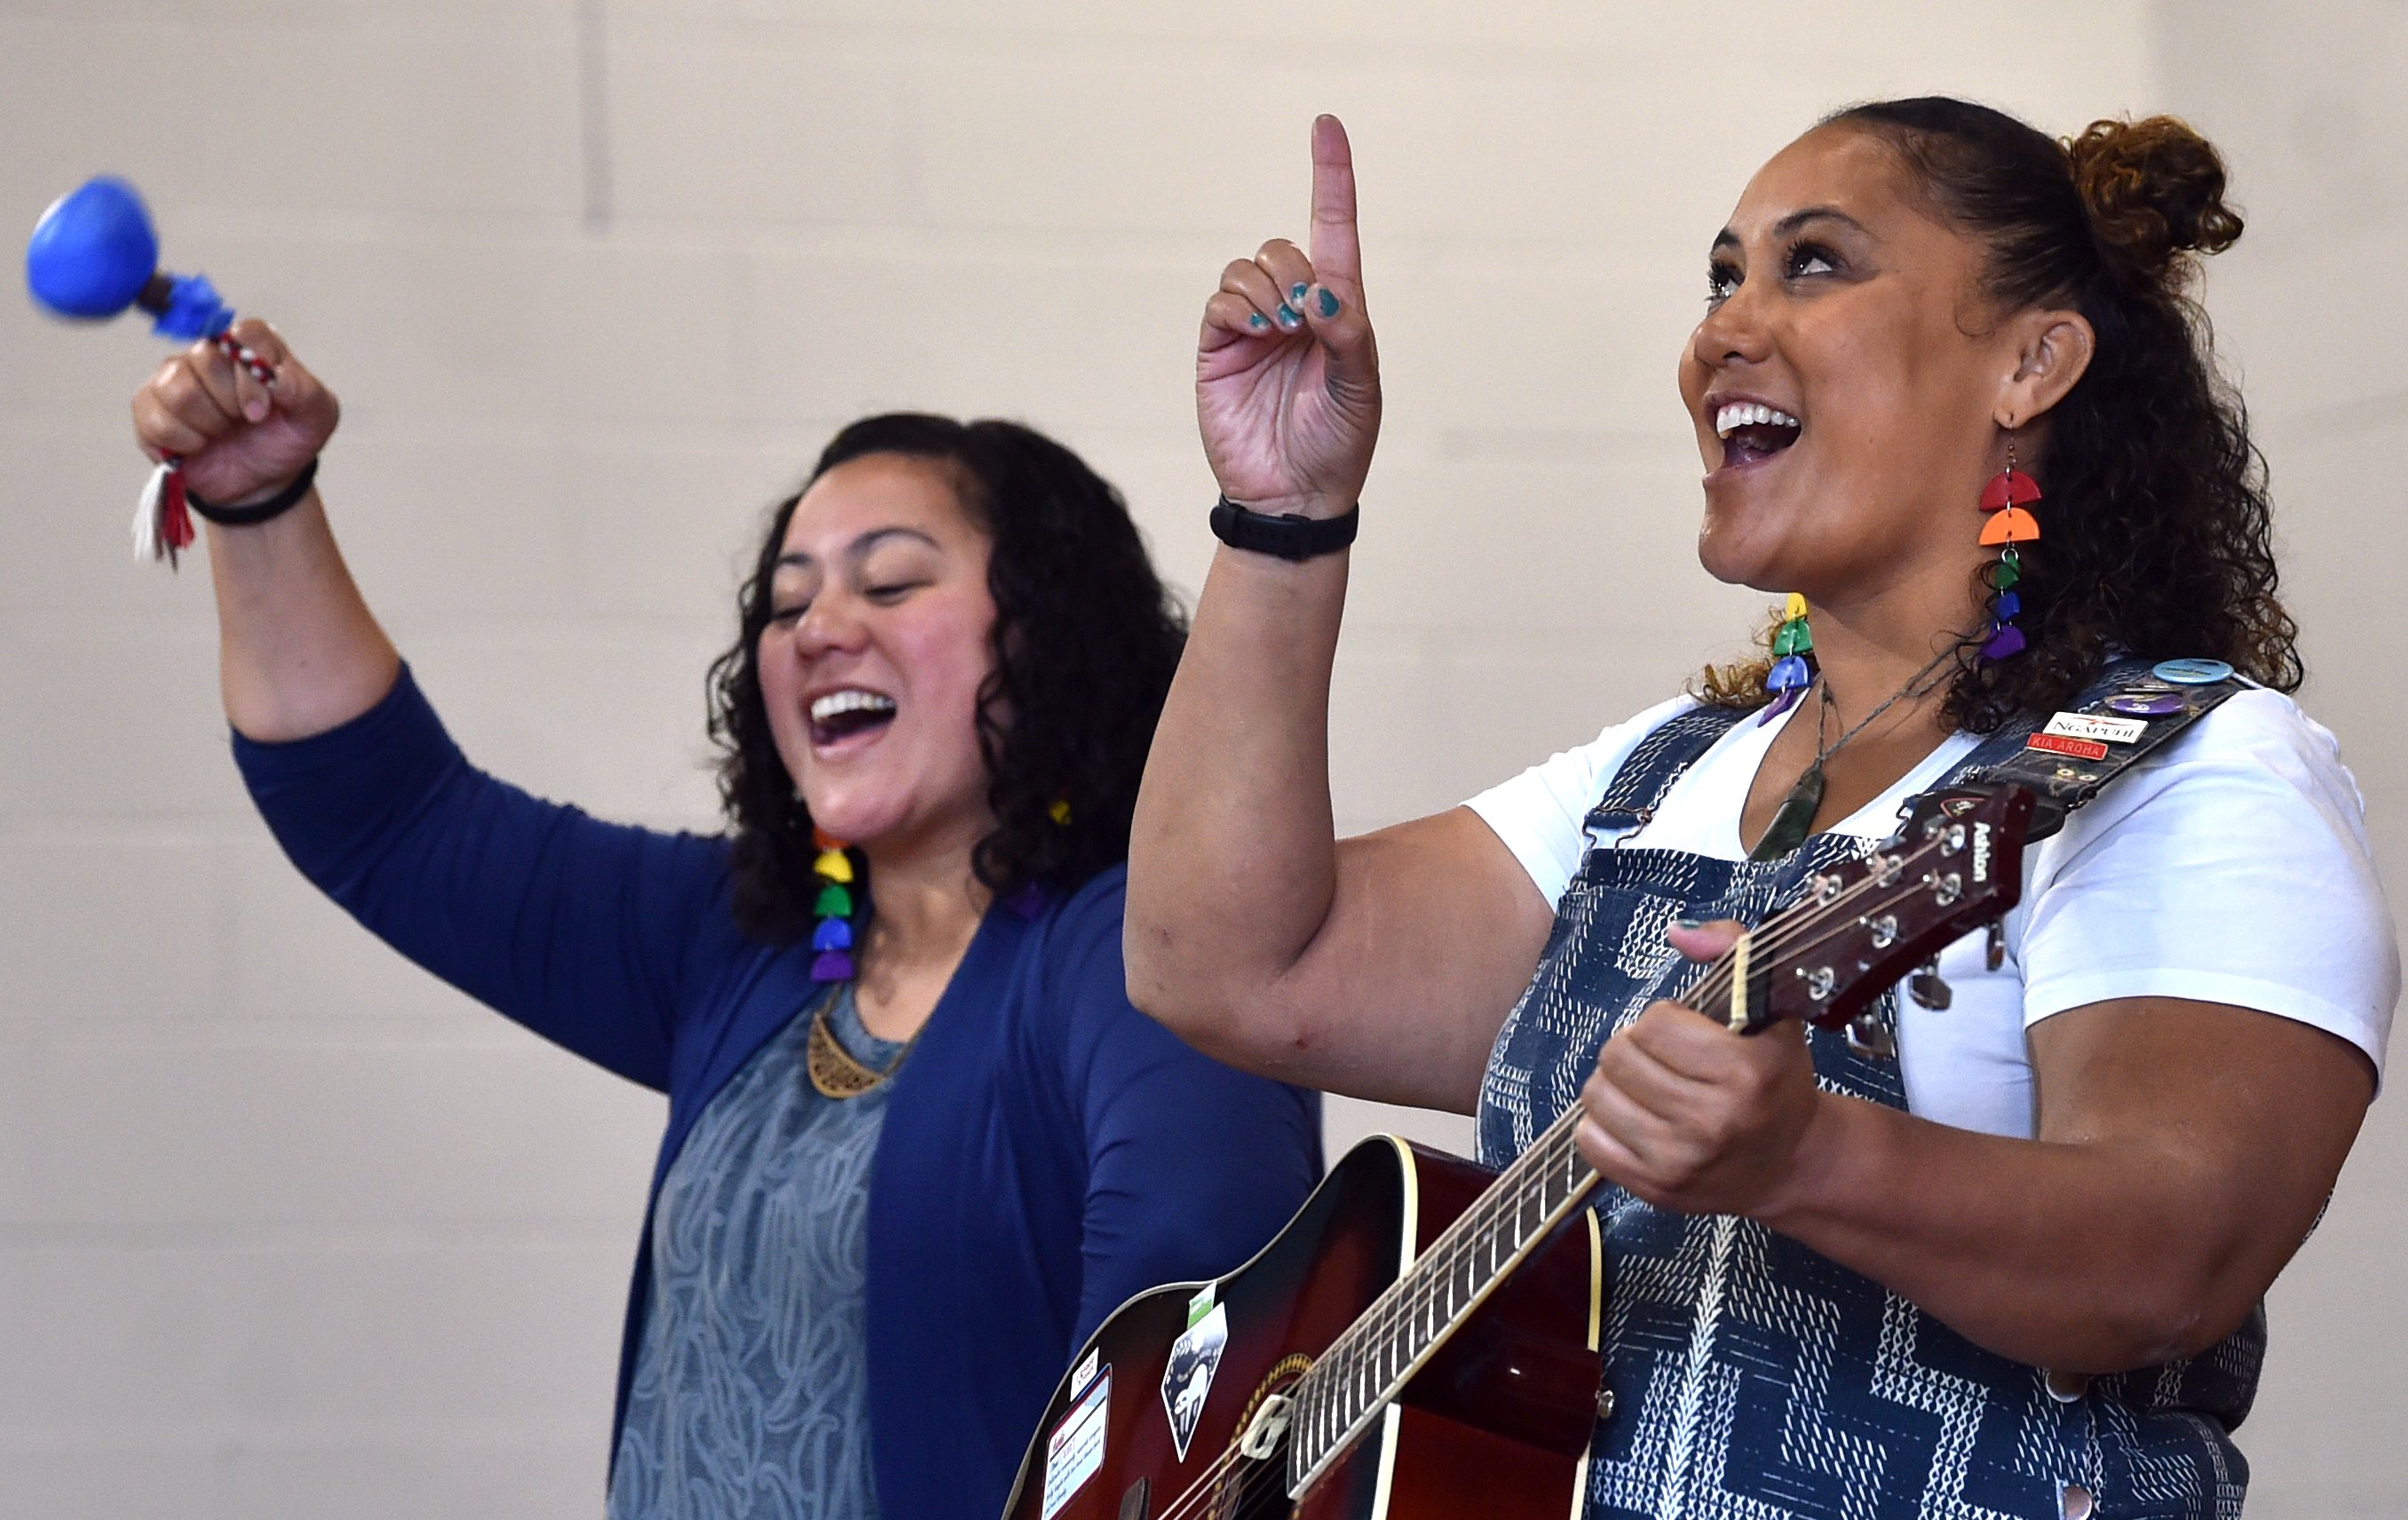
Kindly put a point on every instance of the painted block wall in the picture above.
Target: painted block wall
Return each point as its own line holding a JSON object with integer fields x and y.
{"x": 288, "y": 1229}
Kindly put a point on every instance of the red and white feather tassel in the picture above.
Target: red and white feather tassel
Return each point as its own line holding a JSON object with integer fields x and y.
{"x": 163, "y": 524}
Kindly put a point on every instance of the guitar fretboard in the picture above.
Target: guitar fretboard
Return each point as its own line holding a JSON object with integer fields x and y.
{"x": 1365, "y": 1368}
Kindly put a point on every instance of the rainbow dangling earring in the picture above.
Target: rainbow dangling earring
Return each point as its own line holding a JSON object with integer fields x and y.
{"x": 2006, "y": 524}
{"x": 832, "y": 940}
{"x": 1790, "y": 674}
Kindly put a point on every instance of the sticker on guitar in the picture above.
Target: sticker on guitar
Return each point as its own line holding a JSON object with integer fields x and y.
{"x": 1075, "y": 1451}
{"x": 1194, "y": 1357}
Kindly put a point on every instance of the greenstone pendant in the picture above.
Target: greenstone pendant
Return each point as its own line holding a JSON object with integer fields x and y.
{"x": 1794, "y": 818}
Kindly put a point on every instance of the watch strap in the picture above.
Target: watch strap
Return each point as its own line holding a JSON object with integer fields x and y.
{"x": 1290, "y": 536}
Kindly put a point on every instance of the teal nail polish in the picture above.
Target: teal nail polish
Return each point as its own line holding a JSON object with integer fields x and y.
{"x": 1329, "y": 303}
{"x": 1688, "y": 923}
{"x": 1287, "y": 317}
{"x": 1255, "y": 320}
{"x": 1296, "y": 292}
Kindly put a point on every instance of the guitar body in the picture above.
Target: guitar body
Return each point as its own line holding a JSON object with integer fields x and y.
{"x": 1495, "y": 1423}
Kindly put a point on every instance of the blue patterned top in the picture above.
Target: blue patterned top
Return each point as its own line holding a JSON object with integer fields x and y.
{"x": 751, "y": 1397}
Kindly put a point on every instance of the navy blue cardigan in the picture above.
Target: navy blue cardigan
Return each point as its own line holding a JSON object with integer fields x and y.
{"x": 1048, "y": 1150}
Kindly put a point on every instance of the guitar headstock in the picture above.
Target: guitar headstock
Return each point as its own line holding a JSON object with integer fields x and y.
{"x": 1955, "y": 865}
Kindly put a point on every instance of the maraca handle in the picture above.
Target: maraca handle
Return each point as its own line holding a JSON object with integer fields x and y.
{"x": 183, "y": 305}
{"x": 232, "y": 349}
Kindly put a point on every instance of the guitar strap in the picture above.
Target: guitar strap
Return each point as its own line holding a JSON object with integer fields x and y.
{"x": 2133, "y": 709}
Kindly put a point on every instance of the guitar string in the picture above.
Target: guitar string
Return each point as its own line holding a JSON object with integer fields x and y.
{"x": 1257, "y": 1498}
{"x": 1257, "y": 1487}
{"x": 1541, "y": 1158}
{"x": 1199, "y": 1491}
{"x": 1715, "y": 991}
{"x": 1202, "y": 1490}
{"x": 1259, "y": 1491}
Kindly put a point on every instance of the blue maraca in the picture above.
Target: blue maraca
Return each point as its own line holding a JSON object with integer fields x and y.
{"x": 93, "y": 255}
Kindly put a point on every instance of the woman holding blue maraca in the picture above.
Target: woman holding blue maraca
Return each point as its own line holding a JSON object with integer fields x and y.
{"x": 919, "y": 1143}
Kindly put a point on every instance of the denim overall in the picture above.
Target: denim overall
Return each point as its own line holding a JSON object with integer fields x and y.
{"x": 1751, "y": 1377}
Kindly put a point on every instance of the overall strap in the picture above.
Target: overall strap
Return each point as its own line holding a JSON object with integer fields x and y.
{"x": 2130, "y": 711}
{"x": 1650, "y": 770}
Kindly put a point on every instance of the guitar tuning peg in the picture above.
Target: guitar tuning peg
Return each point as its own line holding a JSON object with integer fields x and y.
{"x": 1869, "y": 1038}
{"x": 1993, "y": 947}
{"x": 1926, "y": 988}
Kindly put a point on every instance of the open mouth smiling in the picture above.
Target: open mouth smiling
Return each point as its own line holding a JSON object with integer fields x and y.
{"x": 1753, "y": 432}
{"x": 848, "y": 713}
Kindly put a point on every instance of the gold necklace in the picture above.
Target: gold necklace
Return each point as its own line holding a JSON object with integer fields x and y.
{"x": 833, "y": 1069}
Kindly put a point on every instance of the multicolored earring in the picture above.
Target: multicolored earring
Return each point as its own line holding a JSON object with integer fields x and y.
{"x": 2006, "y": 525}
{"x": 1790, "y": 674}
{"x": 832, "y": 940}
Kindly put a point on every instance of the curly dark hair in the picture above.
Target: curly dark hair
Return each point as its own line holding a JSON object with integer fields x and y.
{"x": 2156, "y": 529}
{"x": 1086, "y": 639}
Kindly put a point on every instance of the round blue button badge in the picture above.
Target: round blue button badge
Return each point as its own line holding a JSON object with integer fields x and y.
{"x": 2191, "y": 672}
{"x": 2146, "y": 704}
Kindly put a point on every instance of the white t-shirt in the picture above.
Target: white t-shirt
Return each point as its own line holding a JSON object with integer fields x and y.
{"x": 2231, "y": 867}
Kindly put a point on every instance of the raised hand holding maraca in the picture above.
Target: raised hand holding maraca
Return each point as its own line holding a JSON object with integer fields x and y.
{"x": 94, "y": 256}
{"x": 238, "y": 438}
{"x": 1287, "y": 375}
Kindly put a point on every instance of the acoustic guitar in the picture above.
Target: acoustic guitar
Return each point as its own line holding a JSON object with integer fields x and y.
{"x": 1421, "y": 1340}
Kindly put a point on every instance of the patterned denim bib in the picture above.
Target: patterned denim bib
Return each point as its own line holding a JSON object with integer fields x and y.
{"x": 1754, "y": 1378}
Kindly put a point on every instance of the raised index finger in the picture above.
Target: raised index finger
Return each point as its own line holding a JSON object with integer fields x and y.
{"x": 1336, "y": 251}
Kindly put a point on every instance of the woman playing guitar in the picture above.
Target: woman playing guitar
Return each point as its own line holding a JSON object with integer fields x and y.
{"x": 1949, "y": 389}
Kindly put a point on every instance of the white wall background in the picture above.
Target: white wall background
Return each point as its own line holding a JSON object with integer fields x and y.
{"x": 287, "y": 1229}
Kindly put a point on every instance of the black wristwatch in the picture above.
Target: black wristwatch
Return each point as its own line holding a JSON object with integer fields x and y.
{"x": 1290, "y": 536}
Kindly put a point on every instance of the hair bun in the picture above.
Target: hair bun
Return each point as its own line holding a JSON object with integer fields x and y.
{"x": 2155, "y": 189}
